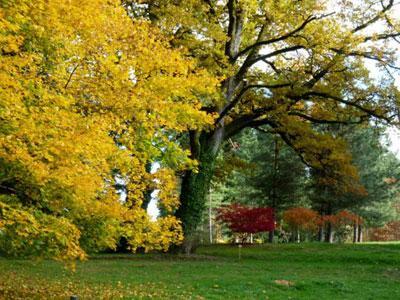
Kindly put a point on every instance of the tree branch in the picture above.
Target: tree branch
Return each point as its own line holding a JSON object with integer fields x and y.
{"x": 323, "y": 121}
{"x": 285, "y": 138}
{"x": 277, "y": 39}
{"x": 7, "y": 190}
{"x": 239, "y": 96}
{"x": 234, "y": 30}
{"x": 350, "y": 103}
{"x": 70, "y": 76}
{"x": 382, "y": 36}
{"x": 249, "y": 62}
{"x": 376, "y": 18}
{"x": 245, "y": 121}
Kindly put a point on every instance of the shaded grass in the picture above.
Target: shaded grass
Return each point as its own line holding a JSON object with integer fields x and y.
{"x": 314, "y": 271}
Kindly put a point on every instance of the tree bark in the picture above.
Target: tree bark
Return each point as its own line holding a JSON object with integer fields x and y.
{"x": 355, "y": 233}
{"x": 329, "y": 234}
{"x": 271, "y": 236}
{"x": 360, "y": 233}
{"x": 195, "y": 185}
{"x": 274, "y": 198}
{"x": 149, "y": 191}
{"x": 210, "y": 218}
{"x": 321, "y": 234}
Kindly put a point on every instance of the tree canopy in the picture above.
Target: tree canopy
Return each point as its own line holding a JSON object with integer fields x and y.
{"x": 87, "y": 96}
{"x": 285, "y": 66}
{"x": 92, "y": 93}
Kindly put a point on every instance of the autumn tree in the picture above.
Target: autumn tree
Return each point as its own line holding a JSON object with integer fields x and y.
{"x": 284, "y": 65}
{"x": 301, "y": 220}
{"x": 87, "y": 98}
{"x": 245, "y": 220}
{"x": 378, "y": 172}
{"x": 342, "y": 223}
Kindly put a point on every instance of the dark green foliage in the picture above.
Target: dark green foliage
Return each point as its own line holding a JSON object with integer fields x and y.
{"x": 271, "y": 175}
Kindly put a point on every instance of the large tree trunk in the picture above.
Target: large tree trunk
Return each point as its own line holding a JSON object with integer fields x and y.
{"x": 195, "y": 185}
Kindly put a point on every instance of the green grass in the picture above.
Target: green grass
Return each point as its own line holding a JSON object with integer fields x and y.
{"x": 310, "y": 271}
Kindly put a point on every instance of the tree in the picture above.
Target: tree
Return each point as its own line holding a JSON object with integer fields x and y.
{"x": 285, "y": 65}
{"x": 301, "y": 220}
{"x": 342, "y": 223}
{"x": 82, "y": 104}
{"x": 378, "y": 172}
{"x": 244, "y": 220}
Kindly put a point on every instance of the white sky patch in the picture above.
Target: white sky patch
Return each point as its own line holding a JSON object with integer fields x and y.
{"x": 394, "y": 136}
{"x": 152, "y": 208}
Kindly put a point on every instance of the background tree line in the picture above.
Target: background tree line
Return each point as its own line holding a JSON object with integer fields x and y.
{"x": 259, "y": 170}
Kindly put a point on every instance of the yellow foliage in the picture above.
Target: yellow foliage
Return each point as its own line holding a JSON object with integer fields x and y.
{"x": 84, "y": 92}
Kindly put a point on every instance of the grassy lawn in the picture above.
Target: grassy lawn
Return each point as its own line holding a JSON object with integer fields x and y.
{"x": 304, "y": 271}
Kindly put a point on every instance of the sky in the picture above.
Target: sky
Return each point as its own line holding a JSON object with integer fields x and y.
{"x": 394, "y": 135}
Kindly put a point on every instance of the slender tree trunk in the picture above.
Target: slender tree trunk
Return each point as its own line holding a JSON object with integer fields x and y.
{"x": 321, "y": 229}
{"x": 210, "y": 218}
{"x": 355, "y": 233}
{"x": 360, "y": 233}
{"x": 271, "y": 236}
{"x": 293, "y": 236}
{"x": 321, "y": 234}
{"x": 274, "y": 198}
{"x": 329, "y": 234}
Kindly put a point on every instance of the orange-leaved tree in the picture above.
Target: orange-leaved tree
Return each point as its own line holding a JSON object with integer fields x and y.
{"x": 301, "y": 220}
{"x": 342, "y": 223}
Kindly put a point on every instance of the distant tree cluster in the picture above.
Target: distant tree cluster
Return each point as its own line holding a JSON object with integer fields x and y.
{"x": 264, "y": 172}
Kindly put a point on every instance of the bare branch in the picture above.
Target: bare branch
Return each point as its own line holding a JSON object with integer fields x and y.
{"x": 350, "y": 103}
{"x": 383, "y": 36}
{"x": 277, "y": 39}
{"x": 323, "y": 121}
{"x": 249, "y": 62}
{"x": 70, "y": 76}
{"x": 276, "y": 52}
{"x": 7, "y": 190}
{"x": 374, "y": 57}
{"x": 376, "y": 18}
